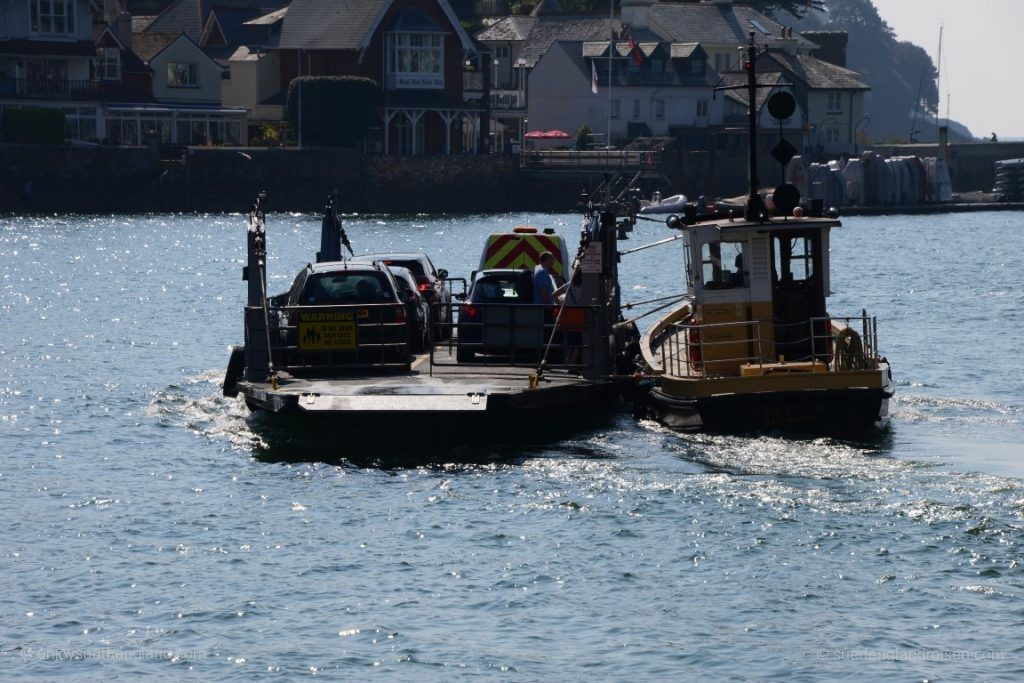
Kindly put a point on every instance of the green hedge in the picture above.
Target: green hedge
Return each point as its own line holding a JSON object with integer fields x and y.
{"x": 336, "y": 110}
{"x": 33, "y": 125}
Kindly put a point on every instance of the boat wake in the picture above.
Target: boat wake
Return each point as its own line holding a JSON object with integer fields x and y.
{"x": 197, "y": 405}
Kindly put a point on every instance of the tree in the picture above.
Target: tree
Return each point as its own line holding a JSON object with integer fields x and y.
{"x": 336, "y": 110}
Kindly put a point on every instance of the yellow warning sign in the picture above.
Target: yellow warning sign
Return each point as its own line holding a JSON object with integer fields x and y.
{"x": 327, "y": 331}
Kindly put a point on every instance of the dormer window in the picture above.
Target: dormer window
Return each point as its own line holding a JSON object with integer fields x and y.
{"x": 52, "y": 17}
{"x": 108, "y": 64}
{"x": 415, "y": 61}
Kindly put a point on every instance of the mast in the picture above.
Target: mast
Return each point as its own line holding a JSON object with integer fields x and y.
{"x": 755, "y": 205}
{"x": 611, "y": 46}
{"x": 938, "y": 85}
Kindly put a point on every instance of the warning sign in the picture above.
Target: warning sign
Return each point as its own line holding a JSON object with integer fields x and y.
{"x": 592, "y": 258}
{"x": 327, "y": 331}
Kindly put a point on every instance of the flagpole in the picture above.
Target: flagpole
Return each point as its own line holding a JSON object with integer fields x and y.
{"x": 611, "y": 46}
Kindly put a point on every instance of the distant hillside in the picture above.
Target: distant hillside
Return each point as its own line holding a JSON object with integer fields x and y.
{"x": 900, "y": 73}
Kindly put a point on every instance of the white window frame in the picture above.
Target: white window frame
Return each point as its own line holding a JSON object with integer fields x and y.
{"x": 172, "y": 73}
{"x": 108, "y": 64}
{"x": 702, "y": 109}
{"x": 414, "y": 60}
{"x": 659, "y": 110}
{"x": 834, "y": 103}
{"x": 832, "y": 135}
{"x": 38, "y": 10}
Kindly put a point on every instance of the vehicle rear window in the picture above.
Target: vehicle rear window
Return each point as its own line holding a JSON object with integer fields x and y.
{"x": 415, "y": 266}
{"x": 323, "y": 289}
{"x": 494, "y": 290}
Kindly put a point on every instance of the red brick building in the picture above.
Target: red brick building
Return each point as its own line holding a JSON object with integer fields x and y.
{"x": 415, "y": 49}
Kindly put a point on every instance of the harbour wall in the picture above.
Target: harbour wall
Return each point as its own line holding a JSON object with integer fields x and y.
{"x": 123, "y": 180}
{"x": 65, "y": 179}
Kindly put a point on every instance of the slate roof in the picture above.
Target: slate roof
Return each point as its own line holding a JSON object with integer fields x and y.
{"x": 148, "y": 43}
{"x": 181, "y": 16}
{"x": 734, "y": 78}
{"x": 344, "y": 24}
{"x": 565, "y": 28}
{"x": 709, "y": 24}
{"x": 508, "y": 29}
{"x": 816, "y": 73}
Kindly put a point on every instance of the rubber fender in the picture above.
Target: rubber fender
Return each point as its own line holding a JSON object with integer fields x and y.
{"x": 236, "y": 368}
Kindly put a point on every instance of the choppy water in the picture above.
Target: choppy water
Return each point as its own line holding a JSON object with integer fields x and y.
{"x": 150, "y": 526}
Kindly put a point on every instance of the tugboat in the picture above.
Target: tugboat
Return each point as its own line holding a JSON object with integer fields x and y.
{"x": 752, "y": 346}
{"x": 327, "y": 349}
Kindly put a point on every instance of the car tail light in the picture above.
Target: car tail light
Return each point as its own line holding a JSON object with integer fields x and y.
{"x": 424, "y": 286}
{"x": 400, "y": 314}
{"x": 469, "y": 311}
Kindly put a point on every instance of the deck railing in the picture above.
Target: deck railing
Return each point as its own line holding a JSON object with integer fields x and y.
{"x": 488, "y": 335}
{"x": 315, "y": 340}
{"x": 827, "y": 344}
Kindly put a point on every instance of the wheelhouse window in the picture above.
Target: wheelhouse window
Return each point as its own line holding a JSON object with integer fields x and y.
{"x": 52, "y": 16}
{"x": 415, "y": 60}
{"x": 722, "y": 265}
{"x": 793, "y": 259}
{"x": 182, "y": 75}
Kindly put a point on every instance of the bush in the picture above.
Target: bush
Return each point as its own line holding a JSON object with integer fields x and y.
{"x": 336, "y": 110}
{"x": 583, "y": 134}
{"x": 33, "y": 125}
{"x": 267, "y": 136}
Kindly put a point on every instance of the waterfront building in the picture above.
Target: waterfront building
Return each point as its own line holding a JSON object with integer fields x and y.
{"x": 417, "y": 50}
{"x": 666, "y": 60}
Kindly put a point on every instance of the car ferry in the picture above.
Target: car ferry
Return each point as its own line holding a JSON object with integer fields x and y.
{"x": 338, "y": 344}
{"x": 753, "y": 346}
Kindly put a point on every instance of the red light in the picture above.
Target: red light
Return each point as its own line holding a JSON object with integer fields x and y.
{"x": 469, "y": 311}
{"x": 400, "y": 314}
{"x": 424, "y": 286}
{"x": 746, "y": 66}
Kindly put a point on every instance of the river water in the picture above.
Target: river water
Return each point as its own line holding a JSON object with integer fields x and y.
{"x": 150, "y": 526}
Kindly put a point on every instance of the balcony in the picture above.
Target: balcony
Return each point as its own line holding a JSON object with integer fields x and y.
{"x": 48, "y": 89}
{"x": 507, "y": 100}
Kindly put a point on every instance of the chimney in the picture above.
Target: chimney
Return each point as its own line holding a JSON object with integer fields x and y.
{"x": 122, "y": 28}
{"x": 787, "y": 43}
{"x": 112, "y": 9}
{"x": 831, "y": 45}
{"x": 637, "y": 13}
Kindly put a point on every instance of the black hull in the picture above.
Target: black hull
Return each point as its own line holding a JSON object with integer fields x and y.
{"x": 834, "y": 410}
{"x": 525, "y": 418}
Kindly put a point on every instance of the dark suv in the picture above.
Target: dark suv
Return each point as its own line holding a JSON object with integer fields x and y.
{"x": 431, "y": 283}
{"x": 346, "y": 314}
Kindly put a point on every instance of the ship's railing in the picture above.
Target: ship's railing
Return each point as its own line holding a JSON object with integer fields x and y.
{"x": 819, "y": 344}
{"x": 328, "y": 339}
{"x": 482, "y": 335}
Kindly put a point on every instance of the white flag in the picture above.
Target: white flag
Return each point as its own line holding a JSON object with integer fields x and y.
{"x": 593, "y": 77}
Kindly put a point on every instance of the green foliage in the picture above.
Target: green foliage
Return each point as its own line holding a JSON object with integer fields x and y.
{"x": 268, "y": 136}
{"x": 583, "y": 134}
{"x": 33, "y": 125}
{"x": 336, "y": 110}
{"x": 901, "y": 75}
